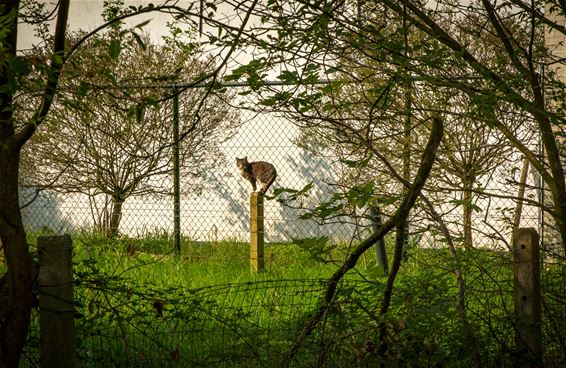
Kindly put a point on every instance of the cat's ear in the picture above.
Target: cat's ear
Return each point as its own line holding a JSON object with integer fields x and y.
{"x": 245, "y": 158}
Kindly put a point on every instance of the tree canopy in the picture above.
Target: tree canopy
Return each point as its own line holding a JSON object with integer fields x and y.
{"x": 118, "y": 128}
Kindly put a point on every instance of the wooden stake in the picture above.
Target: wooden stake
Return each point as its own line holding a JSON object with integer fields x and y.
{"x": 527, "y": 295}
{"x": 256, "y": 232}
{"x": 56, "y": 306}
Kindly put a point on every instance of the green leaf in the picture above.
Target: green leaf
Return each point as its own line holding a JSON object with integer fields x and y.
{"x": 140, "y": 112}
{"x": 83, "y": 89}
{"x": 19, "y": 65}
{"x": 357, "y": 164}
{"x": 325, "y": 209}
{"x": 316, "y": 246}
{"x": 292, "y": 194}
{"x": 114, "y": 48}
{"x": 330, "y": 70}
{"x": 324, "y": 20}
{"x": 312, "y": 67}
{"x": 374, "y": 271}
{"x": 389, "y": 200}
{"x": 360, "y": 195}
{"x": 464, "y": 203}
{"x": 143, "y": 24}
{"x": 58, "y": 58}
{"x": 277, "y": 97}
{"x": 139, "y": 40}
{"x": 250, "y": 70}
{"x": 288, "y": 76}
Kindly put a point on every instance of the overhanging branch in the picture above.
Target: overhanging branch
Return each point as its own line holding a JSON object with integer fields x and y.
{"x": 397, "y": 218}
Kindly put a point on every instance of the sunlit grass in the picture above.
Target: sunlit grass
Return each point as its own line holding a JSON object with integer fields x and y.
{"x": 199, "y": 263}
{"x": 125, "y": 277}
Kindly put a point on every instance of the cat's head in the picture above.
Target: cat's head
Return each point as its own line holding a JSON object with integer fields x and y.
{"x": 242, "y": 162}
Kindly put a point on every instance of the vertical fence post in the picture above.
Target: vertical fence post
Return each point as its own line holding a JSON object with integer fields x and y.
{"x": 527, "y": 295}
{"x": 256, "y": 232}
{"x": 56, "y": 306}
{"x": 381, "y": 252}
{"x": 176, "y": 174}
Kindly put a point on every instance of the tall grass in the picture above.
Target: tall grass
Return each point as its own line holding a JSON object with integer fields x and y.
{"x": 138, "y": 297}
{"x": 199, "y": 264}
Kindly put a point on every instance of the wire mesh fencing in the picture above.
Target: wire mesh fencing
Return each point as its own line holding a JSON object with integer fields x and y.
{"x": 244, "y": 325}
{"x": 263, "y": 323}
{"x": 214, "y": 197}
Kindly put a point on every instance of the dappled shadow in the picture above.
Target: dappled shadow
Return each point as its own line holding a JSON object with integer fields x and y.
{"x": 41, "y": 212}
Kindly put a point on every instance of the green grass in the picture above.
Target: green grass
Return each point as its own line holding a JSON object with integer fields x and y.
{"x": 198, "y": 265}
{"x": 141, "y": 302}
{"x": 213, "y": 324}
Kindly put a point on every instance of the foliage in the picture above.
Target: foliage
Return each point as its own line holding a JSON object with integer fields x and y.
{"x": 385, "y": 53}
{"x": 392, "y": 64}
{"x": 206, "y": 308}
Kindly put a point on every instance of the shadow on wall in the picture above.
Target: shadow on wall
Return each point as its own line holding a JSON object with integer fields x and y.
{"x": 236, "y": 210}
{"x": 310, "y": 168}
{"x": 40, "y": 211}
{"x": 282, "y": 222}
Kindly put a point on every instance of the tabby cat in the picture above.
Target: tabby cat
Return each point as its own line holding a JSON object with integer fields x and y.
{"x": 261, "y": 171}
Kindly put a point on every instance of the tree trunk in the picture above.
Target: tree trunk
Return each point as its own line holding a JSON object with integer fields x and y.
{"x": 558, "y": 191}
{"x": 388, "y": 292}
{"x": 15, "y": 323}
{"x": 557, "y": 182}
{"x": 115, "y": 217}
{"x": 556, "y": 179}
{"x": 561, "y": 220}
{"x": 398, "y": 219}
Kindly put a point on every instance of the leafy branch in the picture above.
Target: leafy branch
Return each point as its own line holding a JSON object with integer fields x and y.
{"x": 397, "y": 220}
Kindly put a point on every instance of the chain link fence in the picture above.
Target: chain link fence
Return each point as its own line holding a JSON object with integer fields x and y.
{"x": 223, "y": 326}
{"x": 258, "y": 324}
{"x": 215, "y": 207}
{"x": 214, "y": 200}
{"x": 255, "y": 324}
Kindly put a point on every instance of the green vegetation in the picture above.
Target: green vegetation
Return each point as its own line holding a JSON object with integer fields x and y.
{"x": 200, "y": 264}
{"x": 139, "y": 304}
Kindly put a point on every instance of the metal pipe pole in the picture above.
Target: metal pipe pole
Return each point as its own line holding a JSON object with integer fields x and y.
{"x": 176, "y": 179}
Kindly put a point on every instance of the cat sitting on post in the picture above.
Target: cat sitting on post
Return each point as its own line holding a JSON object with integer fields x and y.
{"x": 261, "y": 171}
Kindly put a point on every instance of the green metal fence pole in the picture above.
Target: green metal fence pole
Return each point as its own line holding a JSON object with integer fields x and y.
{"x": 176, "y": 179}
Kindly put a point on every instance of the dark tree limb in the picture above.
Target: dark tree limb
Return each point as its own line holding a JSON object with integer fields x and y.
{"x": 17, "y": 298}
{"x": 388, "y": 292}
{"x": 398, "y": 218}
{"x": 53, "y": 75}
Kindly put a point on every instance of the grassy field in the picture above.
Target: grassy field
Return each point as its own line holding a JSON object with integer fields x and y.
{"x": 141, "y": 304}
{"x": 199, "y": 264}
{"x": 140, "y": 301}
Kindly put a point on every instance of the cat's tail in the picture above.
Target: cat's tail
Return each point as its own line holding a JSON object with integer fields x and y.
{"x": 268, "y": 184}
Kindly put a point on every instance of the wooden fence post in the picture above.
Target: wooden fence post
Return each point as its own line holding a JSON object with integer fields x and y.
{"x": 56, "y": 306}
{"x": 527, "y": 295}
{"x": 256, "y": 232}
